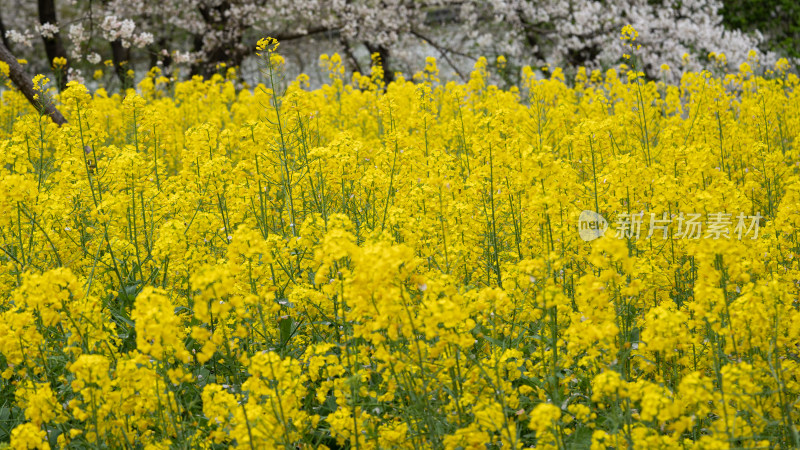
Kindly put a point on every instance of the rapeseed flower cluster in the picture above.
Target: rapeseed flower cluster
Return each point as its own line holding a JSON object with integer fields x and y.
{"x": 372, "y": 265}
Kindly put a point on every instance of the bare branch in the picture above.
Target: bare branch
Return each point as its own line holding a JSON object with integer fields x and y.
{"x": 24, "y": 83}
{"x": 444, "y": 51}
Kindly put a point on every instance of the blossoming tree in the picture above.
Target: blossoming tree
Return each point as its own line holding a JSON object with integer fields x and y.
{"x": 202, "y": 34}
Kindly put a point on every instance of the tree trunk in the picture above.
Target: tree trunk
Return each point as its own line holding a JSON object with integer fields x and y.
{"x": 383, "y": 54}
{"x": 53, "y": 47}
{"x": 228, "y": 51}
{"x": 156, "y": 56}
{"x": 197, "y": 46}
{"x": 3, "y": 33}
{"x": 24, "y": 83}
{"x": 120, "y": 57}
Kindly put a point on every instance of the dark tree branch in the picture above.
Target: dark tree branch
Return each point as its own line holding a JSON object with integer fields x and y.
{"x": 350, "y": 56}
{"x": 310, "y": 32}
{"x": 442, "y": 48}
{"x": 233, "y": 53}
{"x": 444, "y": 52}
{"x": 24, "y": 83}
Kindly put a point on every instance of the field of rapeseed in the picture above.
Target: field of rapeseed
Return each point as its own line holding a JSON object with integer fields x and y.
{"x": 404, "y": 266}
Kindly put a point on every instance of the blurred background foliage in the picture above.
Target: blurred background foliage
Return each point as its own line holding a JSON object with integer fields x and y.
{"x": 114, "y": 42}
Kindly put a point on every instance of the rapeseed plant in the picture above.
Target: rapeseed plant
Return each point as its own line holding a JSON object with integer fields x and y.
{"x": 372, "y": 265}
